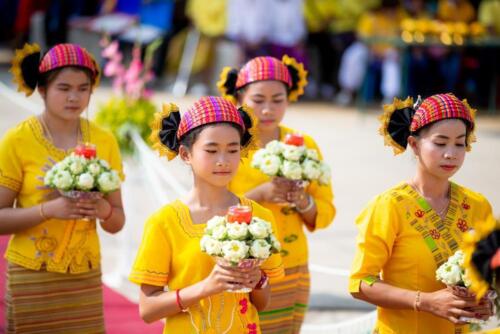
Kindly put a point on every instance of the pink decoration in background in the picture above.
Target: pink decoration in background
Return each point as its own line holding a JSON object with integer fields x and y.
{"x": 130, "y": 81}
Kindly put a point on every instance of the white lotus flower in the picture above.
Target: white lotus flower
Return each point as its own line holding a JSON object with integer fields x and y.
{"x": 291, "y": 170}
{"x": 312, "y": 154}
{"x": 62, "y": 180}
{"x": 49, "y": 176}
{"x": 259, "y": 229}
{"x": 104, "y": 164}
{"x": 211, "y": 246}
{"x": 293, "y": 153}
{"x": 85, "y": 181}
{"x": 108, "y": 181}
{"x": 234, "y": 250}
{"x": 326, "y": 174}
{"x": 77, "y": 165}
{"x": 214, "y": 222}
{"x": 258, "y": 157}
{"x": 311, "y": 169}
{"x": 94, "y": 168}
{"x": 219, "y": 232}
{"x": 274, "y": 147}
{"x": 276, "y": 245}
{"x": 270, "y": 165}
{"x": 237, "y": 231}
{"x": 260, "y": 249}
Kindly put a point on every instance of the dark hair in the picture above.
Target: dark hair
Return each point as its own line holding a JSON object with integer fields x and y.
{"x": 45, "y": 79}
{"x": 190, "y": 138}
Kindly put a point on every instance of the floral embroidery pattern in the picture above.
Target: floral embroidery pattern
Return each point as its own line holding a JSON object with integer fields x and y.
{"x": 44, "y": 244}
{"x": 252, "y": 328}
{"x": 244, "y": 305}
{"x": 462, "y": 225}
{"x": 465, "y": 206}
{"x": 435, "y": 234}
{"x": 419, "y": 213}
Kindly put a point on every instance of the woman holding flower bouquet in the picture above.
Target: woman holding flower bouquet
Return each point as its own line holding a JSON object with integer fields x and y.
{"x": 267, "y": 84}
{"x": 410, "y": 230}
{"x": 179, "y": 238}
{"x": 54, "y": 247}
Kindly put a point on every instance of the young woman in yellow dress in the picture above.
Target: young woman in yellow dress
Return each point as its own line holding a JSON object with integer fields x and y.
{"x": 408, "y": 231}
{"x": 210, "y": 137}
{"x": 267, "y": 84}
{"x": 54, "y": 247}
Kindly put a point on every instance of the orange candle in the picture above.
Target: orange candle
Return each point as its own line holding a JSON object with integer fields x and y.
{"x": 87, "y": 151}
{"x": 294, "y": 139}
{"x": 240, "y": 214}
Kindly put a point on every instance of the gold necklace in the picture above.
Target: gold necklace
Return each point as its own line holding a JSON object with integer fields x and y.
{"x": 46, "y": 129}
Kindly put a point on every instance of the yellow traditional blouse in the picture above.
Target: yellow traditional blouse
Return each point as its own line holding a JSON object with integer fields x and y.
{"x": 403, "y": 241}
{"x": 62, "y": 245}
{"x": 289, "y": 222}
{"x": 170, "y": 255}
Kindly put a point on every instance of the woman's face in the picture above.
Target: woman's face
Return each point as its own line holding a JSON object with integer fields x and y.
{"x": 67, "y": 96}
{"x": 215, "y": 154}
{"x": 440, "y": 149}
{"x": 269, "y": 100}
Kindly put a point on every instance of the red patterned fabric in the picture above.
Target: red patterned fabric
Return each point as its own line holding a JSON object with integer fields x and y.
{"x": 438, "y": 107}
{"x": 209, "y": 109}
{"x": 63, "y": 55}
{"x": 263, "y": 68}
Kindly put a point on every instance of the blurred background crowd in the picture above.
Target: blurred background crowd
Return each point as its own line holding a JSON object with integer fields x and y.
{"x": 363, "y": 51}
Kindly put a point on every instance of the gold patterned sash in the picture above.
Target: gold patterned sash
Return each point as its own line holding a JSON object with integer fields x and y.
{"x": 442, "y": 237}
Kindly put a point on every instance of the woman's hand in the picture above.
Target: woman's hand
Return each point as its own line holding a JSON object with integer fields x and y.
{"x": 445, "y": 304}
{"x": 94, "y": 209}
{"x": 274, "y": 191}
{"x": 226, "y": 278}
{"x": 297, "y": 194}
{"x": 62, "y": 208}
{"x": 255, "y": 274}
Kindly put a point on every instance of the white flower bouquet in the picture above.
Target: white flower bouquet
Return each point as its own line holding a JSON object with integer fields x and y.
{"x": 82, "y": 175}
{"x": 291, "y": 160}
{"x": 453, "y": 274}
{"x": 238, "y": 239}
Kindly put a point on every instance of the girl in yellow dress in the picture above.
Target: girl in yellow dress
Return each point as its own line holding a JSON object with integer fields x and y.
{"x": 54, "y": 247}
{"x": 210, "y": 137}
{"x": 267, "y": 84}
{"x": 408, "y": 231}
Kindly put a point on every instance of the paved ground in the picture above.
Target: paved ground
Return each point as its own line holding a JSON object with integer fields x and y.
{"x": 362, "y": 167}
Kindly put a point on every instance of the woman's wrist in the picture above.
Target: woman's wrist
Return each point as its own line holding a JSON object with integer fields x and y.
{"x": 305, "y": 204}
{"x": 423, "y": 301}
{"x": 106, "y": 213}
